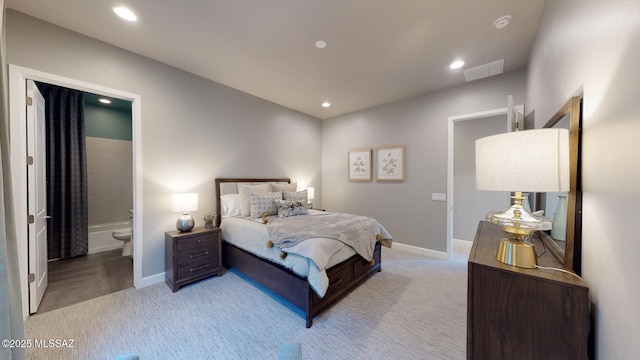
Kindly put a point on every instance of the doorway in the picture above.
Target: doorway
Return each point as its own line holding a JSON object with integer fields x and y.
{"x": 90, "y": 196}
{"x": 463, "y": 201}
{"x": 18, "y": 77}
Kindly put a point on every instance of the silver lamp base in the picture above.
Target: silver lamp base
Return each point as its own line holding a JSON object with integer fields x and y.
{"x": 185, "y": 223}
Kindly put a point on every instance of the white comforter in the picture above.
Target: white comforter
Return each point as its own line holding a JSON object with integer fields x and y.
{"x": 309, "y": 258}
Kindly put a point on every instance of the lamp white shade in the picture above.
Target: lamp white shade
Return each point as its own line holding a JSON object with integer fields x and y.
{"x": 310, "y": 193}
{"x": 183, "y": 202}
{"x": 530, "y": 160}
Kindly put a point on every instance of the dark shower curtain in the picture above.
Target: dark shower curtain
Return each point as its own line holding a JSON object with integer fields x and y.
{"x": 67, "y": 230}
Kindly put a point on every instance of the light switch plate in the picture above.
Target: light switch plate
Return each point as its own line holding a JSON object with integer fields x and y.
{"x": 438, "y": 197}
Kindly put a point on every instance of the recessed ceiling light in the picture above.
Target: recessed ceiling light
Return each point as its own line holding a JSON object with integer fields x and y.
{"x": 321, "y": 44}
{"x": 326, "y": 104}
{"x": 125, "y": 13}
{"x": 456, "y": 64}
{"x": 105, "y": 101}
{"x": 502, "y": 22}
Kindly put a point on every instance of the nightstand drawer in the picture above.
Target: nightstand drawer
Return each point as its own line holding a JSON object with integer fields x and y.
{"x": 196, "y": 254}
{"x": 195, "y": 269}
{"x": 194, "y": 242}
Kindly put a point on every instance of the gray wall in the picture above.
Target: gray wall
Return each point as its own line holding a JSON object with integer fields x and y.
{"x": 593, "y": 47}
{"x": 109, "y": 163}
{"x": 471, "y": 205}
{"x": 109, "y": 180}
{"x": 193, "y": 129}
{"x": 405, "y": 208}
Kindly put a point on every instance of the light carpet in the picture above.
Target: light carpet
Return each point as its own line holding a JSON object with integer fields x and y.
{"x": 414, "y": 309}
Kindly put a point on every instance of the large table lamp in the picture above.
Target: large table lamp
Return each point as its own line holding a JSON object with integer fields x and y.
{"x": 183, "y": 203}
{"x": 522, "y": 161}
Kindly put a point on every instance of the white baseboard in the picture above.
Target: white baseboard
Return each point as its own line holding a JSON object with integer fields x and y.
{"x": 104, "y": 248}
{"x": 153, "y": 279}
{"x": 462, "y": 245}
{"x": 420, "y": 251}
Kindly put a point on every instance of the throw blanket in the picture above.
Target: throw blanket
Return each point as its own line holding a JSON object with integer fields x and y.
{"x": 359, "y": 232}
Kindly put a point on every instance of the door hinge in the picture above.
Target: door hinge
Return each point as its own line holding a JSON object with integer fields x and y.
{"x": 30, "y": 219}
{"x": 29, "y": 160}
{"x": 29, "y": 101}
{"x": 32, "y": 277}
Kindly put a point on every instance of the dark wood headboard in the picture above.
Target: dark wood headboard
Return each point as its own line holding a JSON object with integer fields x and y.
{"x": 238, "y": 180}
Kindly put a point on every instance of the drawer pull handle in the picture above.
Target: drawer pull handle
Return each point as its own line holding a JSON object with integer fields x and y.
{"x": 199, "y": 268}
{"x": 198, "y": 255}
{"x": 338, "y": 281}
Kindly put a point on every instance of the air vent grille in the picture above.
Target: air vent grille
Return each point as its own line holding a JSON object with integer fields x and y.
{"x": 483, "y": 71}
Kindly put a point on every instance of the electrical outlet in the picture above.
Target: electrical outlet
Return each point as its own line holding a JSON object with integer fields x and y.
{"x": 438, "y": 197}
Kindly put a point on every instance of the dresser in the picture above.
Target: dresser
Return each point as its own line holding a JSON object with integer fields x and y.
{"x": 516, "y": 313}
{"x": 191, "y": 256}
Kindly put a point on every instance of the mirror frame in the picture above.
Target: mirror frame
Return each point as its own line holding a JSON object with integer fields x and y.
{"x": 571, "y": 256}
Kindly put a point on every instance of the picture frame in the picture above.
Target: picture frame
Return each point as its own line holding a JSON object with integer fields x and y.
{"x": 390, "y": 163}
{"x": 359, "y": 164}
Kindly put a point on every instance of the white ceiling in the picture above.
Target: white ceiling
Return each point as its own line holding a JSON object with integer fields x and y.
{"x": 378, "y": 50}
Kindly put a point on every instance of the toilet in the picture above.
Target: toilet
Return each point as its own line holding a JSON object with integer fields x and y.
{"x": 124, "y": 235}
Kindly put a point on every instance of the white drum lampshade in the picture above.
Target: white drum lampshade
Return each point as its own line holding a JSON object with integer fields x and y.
{"x": 183, "y": 203}
{"x": 531, "y": 161}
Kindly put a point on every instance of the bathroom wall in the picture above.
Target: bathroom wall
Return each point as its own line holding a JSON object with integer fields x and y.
{"x": 109, "y": 163}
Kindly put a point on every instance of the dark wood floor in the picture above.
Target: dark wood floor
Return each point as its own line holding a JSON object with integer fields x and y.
{"x": 79, "y": 279}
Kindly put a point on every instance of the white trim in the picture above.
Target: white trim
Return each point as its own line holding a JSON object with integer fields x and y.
{"x": 420, "y": 251}
{"x": 17, "y": 117}
{"x": 152, "y": 280}
{"x": 462, "y": 246}
{"x": 450, "y": 146}
{"x": 479, "y": 115}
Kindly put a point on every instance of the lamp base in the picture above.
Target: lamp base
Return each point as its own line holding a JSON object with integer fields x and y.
{"x": 517, "y": 253}
{"x": 185, "y": 223}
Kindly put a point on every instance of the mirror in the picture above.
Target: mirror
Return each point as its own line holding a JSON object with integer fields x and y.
{"x": 564, "y": 240}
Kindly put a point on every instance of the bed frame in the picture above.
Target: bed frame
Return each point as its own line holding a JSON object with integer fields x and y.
{"x": 343, "y": 277}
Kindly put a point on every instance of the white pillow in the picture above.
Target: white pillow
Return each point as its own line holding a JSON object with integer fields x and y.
{"x": 283, "y": 187}
{"x": 244, "y": 190}
{"x": 300, "y": 195}
{"x": 230, "y": 204}
{"x": 264, "y": 203}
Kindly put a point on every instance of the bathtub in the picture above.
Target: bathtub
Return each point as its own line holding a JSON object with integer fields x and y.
{"x": 100, "y": 238}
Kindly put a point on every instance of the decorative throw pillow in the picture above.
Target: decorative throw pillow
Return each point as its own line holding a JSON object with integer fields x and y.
{"x": 300, "y": 195}
{"x": 288, "y": 208}
{"x": 283, "y": 187}
{"x": 264, "y": 203}
{"x": 230, "y": 204}
{"x": 244, "y": 190}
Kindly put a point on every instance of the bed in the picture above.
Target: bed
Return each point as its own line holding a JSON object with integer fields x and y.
{"x": 345, "y": 271}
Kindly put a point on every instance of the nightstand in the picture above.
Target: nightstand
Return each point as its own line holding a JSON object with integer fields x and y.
{"x": 191, "y": 256}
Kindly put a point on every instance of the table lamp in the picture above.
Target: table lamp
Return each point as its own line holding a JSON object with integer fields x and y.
{"x": 310, "y": 196}
{"x": 182, "y": 203}
{"x": 522, "y": 161}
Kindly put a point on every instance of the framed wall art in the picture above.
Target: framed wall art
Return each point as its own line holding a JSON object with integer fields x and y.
{"x": 360, "y": 165}
{"x": 390, "y": 162}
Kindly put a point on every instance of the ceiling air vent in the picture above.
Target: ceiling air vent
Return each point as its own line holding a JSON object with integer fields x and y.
{"x": 483, "y": 71}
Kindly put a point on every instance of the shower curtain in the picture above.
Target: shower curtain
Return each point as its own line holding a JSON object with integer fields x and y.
{"x": 67, "y": 230}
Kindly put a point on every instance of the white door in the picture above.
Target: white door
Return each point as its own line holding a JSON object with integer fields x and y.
{"x": 37, "y": 197}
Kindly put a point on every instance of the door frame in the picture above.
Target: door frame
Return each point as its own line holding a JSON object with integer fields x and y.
{"x": 519, "y": 113}
{"x": 17, "y": 135}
